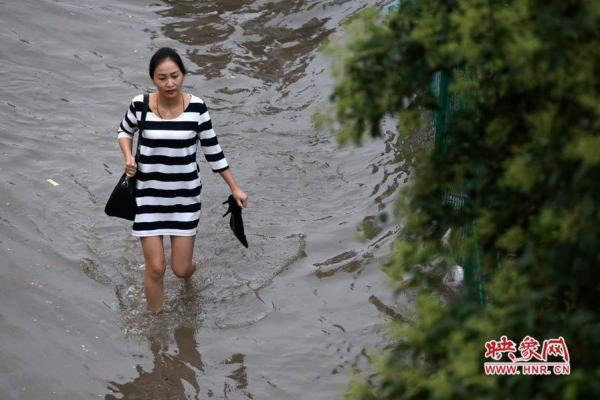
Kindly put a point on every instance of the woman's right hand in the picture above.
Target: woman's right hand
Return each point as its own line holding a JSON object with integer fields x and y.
{"x": 130, "y": 166}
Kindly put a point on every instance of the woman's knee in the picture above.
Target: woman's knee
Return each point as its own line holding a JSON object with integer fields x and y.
{"x": 184, "y": 269}
{"x": 154, "y": 256}
{"x": 156, "y": 268}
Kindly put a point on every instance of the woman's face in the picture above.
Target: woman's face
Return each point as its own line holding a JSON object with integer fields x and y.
{"x": 168, "y": 78}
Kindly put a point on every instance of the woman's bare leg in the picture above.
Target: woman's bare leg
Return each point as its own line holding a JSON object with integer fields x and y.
{"x": 182, "y": 251}
{"x": 154, "y": 255}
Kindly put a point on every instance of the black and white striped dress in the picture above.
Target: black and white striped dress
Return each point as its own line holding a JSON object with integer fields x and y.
{"x": 169, "y": 183}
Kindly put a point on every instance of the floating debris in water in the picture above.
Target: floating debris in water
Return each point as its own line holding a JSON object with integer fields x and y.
{"x": 53, "y": 182}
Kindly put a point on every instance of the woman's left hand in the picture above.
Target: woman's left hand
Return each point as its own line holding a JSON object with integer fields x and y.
{"x": 240, "y": 197}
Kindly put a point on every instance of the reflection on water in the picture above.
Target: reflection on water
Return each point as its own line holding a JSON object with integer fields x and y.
{"x": 172, "y": 374}
{"x": 271, "y": 42}
{"x": 175, "y": 372}
{"x": 238, "y": 375}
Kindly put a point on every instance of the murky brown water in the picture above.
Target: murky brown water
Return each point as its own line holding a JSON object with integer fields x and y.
{"x": 289, "y": 318}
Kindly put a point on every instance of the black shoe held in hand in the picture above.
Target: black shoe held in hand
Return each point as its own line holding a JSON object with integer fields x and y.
{"x": 235, "y": 220}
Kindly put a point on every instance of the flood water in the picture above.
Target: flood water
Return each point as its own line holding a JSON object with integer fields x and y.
{"x": 292, "y": 316}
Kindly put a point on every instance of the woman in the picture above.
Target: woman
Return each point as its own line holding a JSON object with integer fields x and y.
{"x": 168, "y": 180}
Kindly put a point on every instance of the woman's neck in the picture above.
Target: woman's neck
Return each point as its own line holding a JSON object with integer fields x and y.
{"x": 167, "y": 102}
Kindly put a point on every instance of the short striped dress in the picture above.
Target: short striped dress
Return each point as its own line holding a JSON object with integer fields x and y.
{"x": 169, "y": 183}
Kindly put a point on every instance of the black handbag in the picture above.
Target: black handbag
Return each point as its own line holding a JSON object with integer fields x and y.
{"x": 121, "y": 202}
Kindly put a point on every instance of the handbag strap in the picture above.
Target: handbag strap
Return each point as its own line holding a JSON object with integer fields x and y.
{"x": 141, "y": 125}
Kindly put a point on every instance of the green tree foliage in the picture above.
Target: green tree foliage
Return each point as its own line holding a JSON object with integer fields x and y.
{"x": 524, "y": 149}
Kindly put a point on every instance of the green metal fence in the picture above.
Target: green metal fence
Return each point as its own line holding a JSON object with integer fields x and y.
{"x": 469, "y": 259}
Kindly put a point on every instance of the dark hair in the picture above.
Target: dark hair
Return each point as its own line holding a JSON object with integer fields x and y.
{"x": 161, "y": 55}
